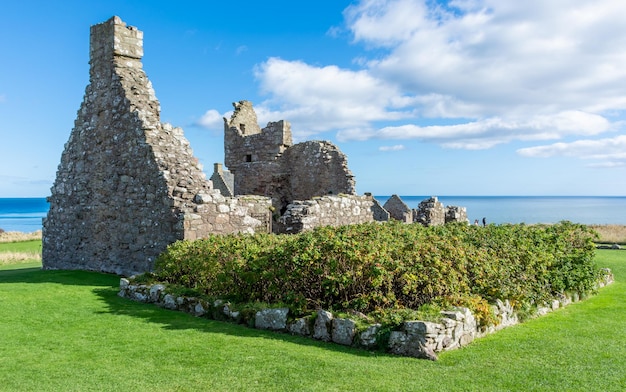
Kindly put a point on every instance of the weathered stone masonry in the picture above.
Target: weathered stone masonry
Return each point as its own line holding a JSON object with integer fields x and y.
{"x": 266, "y": 162}
{"x": 414, "y": 338}
{"x": 330, "y": 211}
{"x": 128, "y": 185}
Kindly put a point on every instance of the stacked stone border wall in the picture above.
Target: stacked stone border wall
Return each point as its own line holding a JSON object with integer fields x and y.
{"x": 419, "y": 339}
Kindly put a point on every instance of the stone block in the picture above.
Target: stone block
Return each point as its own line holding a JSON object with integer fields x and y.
{"x": 199, "y": 309}
{"x": 169, "y": 302}
{"x": 272, "y": 319}
{"x": 155, "y": 292}
{"x": 368, "y": 338}
{"x": 299, "y": 327}
{"x": 323, "y": 326}
{"x": 343, "y": 331}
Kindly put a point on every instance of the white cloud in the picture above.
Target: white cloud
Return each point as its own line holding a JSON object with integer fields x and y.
{"x": 487, "y": 133}
{"x": 397, "y": 147}
{"x": 607, "y": 165}
{"x": 467, "y": 74}
{"x": 317, "y": 99}
{"x": 610, "y": 151}
{"x": 3, "y": 98}
{"x": 497, "y": 54}
{"x": 211, "y": 119}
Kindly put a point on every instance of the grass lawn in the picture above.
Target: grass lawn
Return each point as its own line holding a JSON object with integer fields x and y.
{"x": 31, "y": 246}
{"x": 68, "y": 331}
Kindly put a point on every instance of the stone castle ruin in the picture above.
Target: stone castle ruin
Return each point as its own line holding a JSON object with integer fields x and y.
{"x": 429, "y": 212}
{"x": 128, "y": 185}
{"x": 266, "y": 162}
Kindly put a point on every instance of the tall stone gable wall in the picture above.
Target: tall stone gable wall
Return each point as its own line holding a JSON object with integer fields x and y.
{"x": 398, "y": 210}
{"x": 128, "y": 185}
{"x": 265, "y": 161}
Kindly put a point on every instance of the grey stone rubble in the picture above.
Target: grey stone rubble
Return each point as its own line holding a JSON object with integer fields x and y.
{"x": 431, "y": 212}
{"x": 419, "y": 339}
{"x": 129, "y": 185}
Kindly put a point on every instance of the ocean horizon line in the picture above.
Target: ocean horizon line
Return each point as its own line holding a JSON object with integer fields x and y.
{"x": 26, "y": 214}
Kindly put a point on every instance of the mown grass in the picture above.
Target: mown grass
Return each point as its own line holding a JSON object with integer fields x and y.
{"x": 68, "y": 330}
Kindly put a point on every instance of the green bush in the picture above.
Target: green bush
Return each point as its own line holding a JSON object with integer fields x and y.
{"x": 374, "y": 266}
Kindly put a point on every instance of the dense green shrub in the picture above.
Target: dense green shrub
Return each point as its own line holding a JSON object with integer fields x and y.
{"x": 376, "y": 266}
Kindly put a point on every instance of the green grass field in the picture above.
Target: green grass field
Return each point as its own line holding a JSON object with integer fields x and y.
{"x": 68, "y": 331}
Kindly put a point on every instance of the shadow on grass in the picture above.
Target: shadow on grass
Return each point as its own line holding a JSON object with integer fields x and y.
{"x": 107, "y": 287}
{"x": 176, "y": 320}
{"x": 65, "y": 277}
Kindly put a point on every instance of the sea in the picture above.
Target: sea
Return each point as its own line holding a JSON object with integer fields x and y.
{"x": 26, "y": 214}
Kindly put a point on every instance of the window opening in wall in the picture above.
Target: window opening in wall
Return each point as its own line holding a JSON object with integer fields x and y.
{"x": 248, "y": 158}
{"x": 242, "y": 127}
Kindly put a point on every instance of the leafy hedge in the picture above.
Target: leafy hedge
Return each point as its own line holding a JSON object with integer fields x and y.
{"x": 375, "y": 266}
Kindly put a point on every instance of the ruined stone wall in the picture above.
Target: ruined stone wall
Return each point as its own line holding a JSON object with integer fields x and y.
{"x": 330, "y": 211}
{"x": 316, "y": 168}
{"x": 251, "y": 153}
{"x": 430, "y": 212}
{"x": 265, "y": 161}
{"x": 456, "y": 214}
{"x": 245, "y": 141}
{"x": 128, "y": 185}
{"x": 222, "y": 180}
{"x": 398, "y": 210}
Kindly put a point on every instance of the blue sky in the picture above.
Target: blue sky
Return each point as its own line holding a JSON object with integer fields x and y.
{"x": 468, "y": 97}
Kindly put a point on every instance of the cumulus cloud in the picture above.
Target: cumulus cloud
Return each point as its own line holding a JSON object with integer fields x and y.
{"x": 397, "y": 147}
{"x": 318, "y": 99}
{"x": 492, "y": 131}
{"x": 211, "y": 119}
{"x": 499, "y": 55}
{"x": 469, "y": 74}
{"x": 610, "y": 151}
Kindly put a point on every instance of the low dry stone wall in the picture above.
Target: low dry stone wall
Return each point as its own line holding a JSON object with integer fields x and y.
{"x": 419, "y": 339}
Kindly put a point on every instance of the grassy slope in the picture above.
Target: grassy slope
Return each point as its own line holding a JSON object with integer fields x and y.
{"x": 63, "y": 330}
{"x": 24, "y": 246}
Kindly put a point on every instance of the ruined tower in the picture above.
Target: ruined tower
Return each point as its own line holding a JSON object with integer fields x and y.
{"x": 265, "y": 161}
{"x": 128, "y": 185}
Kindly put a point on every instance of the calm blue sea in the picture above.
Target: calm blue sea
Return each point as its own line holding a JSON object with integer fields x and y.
{"x": 534, "y": 209}
{"x": 22, "y": 214}
{"x": 26, "y": 214}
